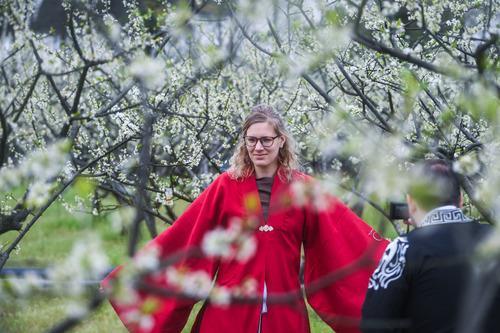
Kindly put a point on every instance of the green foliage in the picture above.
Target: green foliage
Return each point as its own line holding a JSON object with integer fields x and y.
{"x": 481, "y": 102}
{"x": 447, "y": 117}
{"x": 426, "y": 194}
{"x": 375, "y": 218}
{"x": 412, "y": 88}
{"x": 317, "y": 325}
{"x": 333, "y": 17}
{"x": 84, "y": 187}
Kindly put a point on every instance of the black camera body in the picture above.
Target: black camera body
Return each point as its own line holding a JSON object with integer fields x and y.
{"x": 398, "y": 211}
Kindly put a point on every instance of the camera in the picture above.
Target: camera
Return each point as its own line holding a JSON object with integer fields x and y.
{"x": 398, "y": 211}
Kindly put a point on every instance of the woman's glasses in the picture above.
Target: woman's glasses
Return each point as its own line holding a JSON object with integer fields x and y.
{"x": 265, "y": 141}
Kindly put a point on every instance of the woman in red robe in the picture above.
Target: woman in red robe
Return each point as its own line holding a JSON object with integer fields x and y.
{"x": 340, "y": 250}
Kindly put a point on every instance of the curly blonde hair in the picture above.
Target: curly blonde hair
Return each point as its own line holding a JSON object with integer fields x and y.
{"x": 240, "y": 164}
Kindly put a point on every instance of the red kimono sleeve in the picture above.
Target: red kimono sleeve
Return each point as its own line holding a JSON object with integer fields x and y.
{"x": 341, "y": 252}
{"x": 170, "y": 314}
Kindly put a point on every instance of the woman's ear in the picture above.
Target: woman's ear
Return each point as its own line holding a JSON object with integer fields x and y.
{"x": 283, "y": 140}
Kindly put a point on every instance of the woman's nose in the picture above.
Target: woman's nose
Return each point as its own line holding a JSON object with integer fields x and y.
{"x": 259, "y": 145}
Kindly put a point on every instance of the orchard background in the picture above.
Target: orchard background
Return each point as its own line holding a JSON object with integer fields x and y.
{"x": 114, "y": 115}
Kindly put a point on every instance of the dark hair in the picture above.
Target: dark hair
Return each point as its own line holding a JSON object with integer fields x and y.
{"x": 435, "y": 184}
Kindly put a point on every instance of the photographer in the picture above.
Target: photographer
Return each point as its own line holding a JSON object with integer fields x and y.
{"x": 422, "y": 280}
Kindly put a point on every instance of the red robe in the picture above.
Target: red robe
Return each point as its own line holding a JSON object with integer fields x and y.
{"x": 332, "y": 238}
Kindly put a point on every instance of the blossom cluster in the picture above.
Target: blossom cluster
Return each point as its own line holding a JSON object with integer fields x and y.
{"x": 73, "y": 277}
{"x": 199, "y": 285}
{"x": 39, "y": 170}
{"x": 233, "y": 242}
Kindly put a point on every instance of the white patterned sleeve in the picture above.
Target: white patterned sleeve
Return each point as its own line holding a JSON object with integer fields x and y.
{"x": 387, "y": 290}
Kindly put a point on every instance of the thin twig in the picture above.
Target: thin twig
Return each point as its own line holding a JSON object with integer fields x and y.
{"x": 5, "y": 255}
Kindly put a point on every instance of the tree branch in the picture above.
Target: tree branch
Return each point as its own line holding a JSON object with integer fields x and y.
{"x": 4, "y": 256}
{"x": 141, "y": 198}
{"x": 398, "y": 54}
{"x": 365, "y": 100}
{"x": 3, "y": 140}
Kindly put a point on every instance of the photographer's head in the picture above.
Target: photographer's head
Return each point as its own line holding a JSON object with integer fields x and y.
{"x": 433, "y": 184}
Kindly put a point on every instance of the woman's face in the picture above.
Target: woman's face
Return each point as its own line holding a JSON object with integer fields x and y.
{"x": 263, "y": 144}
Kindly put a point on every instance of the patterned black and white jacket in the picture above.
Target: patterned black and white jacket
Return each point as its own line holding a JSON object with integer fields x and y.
{"x": 423, "y": 277}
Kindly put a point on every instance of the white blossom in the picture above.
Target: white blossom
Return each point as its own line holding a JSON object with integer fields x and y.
{"x": 150, "y": 71}
{"x": 196, "y": 283}
{"x": 229, "y": 243}
{"x": 121, "y": 218}
{"x": 38, "y": 194}
{"x": 114, "y": 28}
{"x": 20, "y": 286}
{"x": 86, "y": 261}
{"x": 390, "y": 8}
{"x": 246, "y": 248}
{"x": 216, "y": 243}
{"x": 76, "y": 310}
{"x": 147, "y": 259}
{"x": 143, "y": 320}
{"x": 467, "y": 165}
{"x": 220, "y": 296}
{"x": 34, "y": 280}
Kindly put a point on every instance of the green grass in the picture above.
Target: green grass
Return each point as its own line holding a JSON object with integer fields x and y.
{"x": 50, "y": 241}
{"x": 39, "y": 314}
